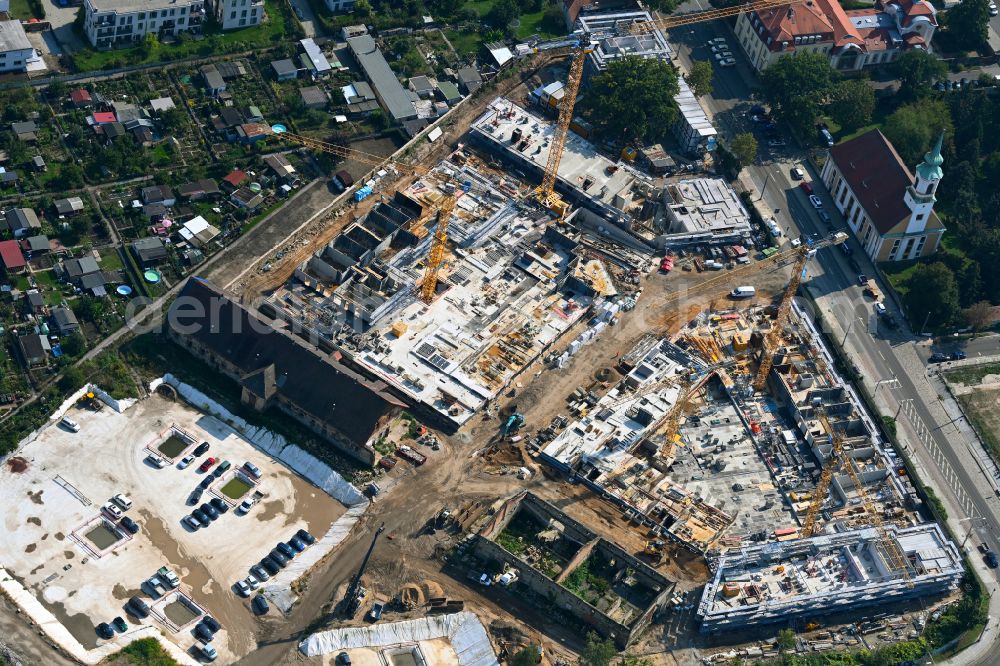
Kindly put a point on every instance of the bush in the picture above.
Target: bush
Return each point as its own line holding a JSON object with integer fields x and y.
{"x": 144, "y": 652}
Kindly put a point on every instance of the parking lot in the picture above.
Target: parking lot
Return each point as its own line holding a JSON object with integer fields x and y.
{"x": 84, "y": 566}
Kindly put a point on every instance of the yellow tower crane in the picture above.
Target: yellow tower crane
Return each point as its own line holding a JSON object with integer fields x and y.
{"x": 435, "y": 255}
{"x": 773, "y": 337}
{"x": 894, "y": 556}
{"x": 546, "y": 193}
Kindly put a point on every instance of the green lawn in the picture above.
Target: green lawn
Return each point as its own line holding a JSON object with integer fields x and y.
{"x": 465, "y": 42}
{"x": 235, "y": 488}
{"x": 110, "y": 261}
{"x": 46, "y": 279}
{"x": 20, "y": 9}
{"x": 279, "y": 28}
{"x": 532, "y": 24}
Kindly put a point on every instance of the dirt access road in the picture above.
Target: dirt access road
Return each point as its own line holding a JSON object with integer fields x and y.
{"x": 457, "y": 476}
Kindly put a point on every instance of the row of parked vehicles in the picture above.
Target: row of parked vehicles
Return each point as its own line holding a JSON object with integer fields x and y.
{"x": 273, "y": 562}
{"x": 116, "y": 508}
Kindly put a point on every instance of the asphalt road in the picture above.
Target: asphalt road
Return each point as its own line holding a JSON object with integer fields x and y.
{"x": 893, "y": 362}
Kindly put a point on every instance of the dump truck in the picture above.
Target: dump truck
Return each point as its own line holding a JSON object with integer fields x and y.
{"x": 411, "y": 455}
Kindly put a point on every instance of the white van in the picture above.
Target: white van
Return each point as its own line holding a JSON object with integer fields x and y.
{"x": 70, "y": 423}
{"x": 743, "y": 292}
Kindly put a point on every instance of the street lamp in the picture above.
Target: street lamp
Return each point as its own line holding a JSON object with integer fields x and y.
{"x": 763, "y": 188}
{"x": 879, "y": 383}
{"x": 898, "y": 409}
{"x": 971, "y": 526}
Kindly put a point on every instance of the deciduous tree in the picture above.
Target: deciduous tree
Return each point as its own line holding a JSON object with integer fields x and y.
{"x": 633, "y": 97}
{"x": 797, "y": 87}
{"x": 968, "y": 23}
{"x": 700, "y": 78}
{"x": 597, "y": 652}
{"x": 852, "y": 103}
{"x": 913, "y": 128}
{"x": 915, "y": 69}
{"x": 933, "y": 295}
{"x": 979, "y": 315}
{"x": 744, "y": 148}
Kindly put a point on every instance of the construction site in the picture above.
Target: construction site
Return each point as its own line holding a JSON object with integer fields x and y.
{"x": 636, "y": 410}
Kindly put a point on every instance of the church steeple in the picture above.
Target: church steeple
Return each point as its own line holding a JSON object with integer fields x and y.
{"x": 929, "y": 171}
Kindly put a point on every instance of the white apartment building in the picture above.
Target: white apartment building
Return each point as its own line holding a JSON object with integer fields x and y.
{"x": 232, "y": 14}
{"x": 118, "y": 23}
{"x": 15, "y": 49}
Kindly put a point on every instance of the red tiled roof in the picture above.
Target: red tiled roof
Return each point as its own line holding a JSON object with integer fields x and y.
{"x": 235, "y": 178}
{"x": 844, "y": 31}
{"x": 104, "y": 117}
{"x": 913, "y": 39}
{"x": 877, "y": 176}
{"x": 784, "y": 24}
{"x": 10, "y": 255}
{"x": 79, "y": 95}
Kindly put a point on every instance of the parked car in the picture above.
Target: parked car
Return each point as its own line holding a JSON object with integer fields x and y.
{"x": 139, "y": 607}
{"x": 845, "y": 247}
{"x": 252, "y": 582}
{"x": 991, "y": 559}
{"x": 343, "y": 659}
{"x": 723, "y": 55}
{"x": 242, "y": 588}
{"x": 280, "y": 558}
{"x": 862, "y": 279}
{"x": 200, "y": 516}
{"x": 246, "y": 505}
{"x": 727, "y": 62}
{"x": 206, "y": 482}
{"x": 195, "y": 496}
{"x": 260, "y": 605}
{"x": 209, "y": 511}
{"x": 203, "y": 633}
{"x": 119, "y": 624}
{"x": 186, "y": 461}
{"x": 70, "y": 424}
{"x": 219, "y": 505}
{"x": 260, "y": 573}
{"x": 208, "y": 651}
{"x": 221, "y": 469}
{"x": 958, "y": 355}
{"x": 720, "y": 47}
{"x": 938, "y": 357}
{"x": 192, "y": 522}
{"x": 717, "y": 40}
{"x": 105, "y": 631}
{"x": 207, "y": 464}
{"x": 376, "y": 612}
{"x": 201, "y": 449}
{"x": 307, "y": 538}
{"x": 806, "y": 187}
{"x": 776, "y": 143}
{"x": 129, "y": 524}
{"x": 983, "y": 548}
{"x": 824, "y": 217}
{"x": 880, "y": 309}
{"x": 797, "y": 173}
{"x": 211, "y": 623}
{"x": 795, "y": 242}
{"x": 270, "y": 565}
{"x": 285, "y": 549}
{"x": 816, "y": 202}
{"x": 297, "y": 544}
{"x": 253, "y": 469}
{"x": 156, "y": 461}
{"x": 123, "y": 501}
{"x": 112, "y": 509}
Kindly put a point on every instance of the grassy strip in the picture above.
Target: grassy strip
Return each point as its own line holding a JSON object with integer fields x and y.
{"x": 143, "y": 652}
{"x": 972, "y": 375}
{"x": 980, "y": 425}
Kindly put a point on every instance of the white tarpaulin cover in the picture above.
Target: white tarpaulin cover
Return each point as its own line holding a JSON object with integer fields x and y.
{"x": 463, "y": 630}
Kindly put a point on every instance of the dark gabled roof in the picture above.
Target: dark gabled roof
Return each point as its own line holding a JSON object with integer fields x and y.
{"x": 37, "y": 243}
{"x": 91, "y": 280}
{"x": 307, "y": 378}
{"x": 150, "y": 249}
{"x": 82, "y": 266}
{"x": 231, "y": 117}
{"x": 203, "y": 186}
{"x": 262, "y": 383}
{"x": 64, "y": 318}
{"x": 877, "y": 176}
{"x": 31, "y": 346}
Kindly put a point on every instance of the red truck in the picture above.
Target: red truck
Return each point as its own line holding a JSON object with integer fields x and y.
{"x": 406, "y": 453}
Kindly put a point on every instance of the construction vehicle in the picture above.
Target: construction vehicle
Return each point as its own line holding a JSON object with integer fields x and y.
{"x": 355, "y": 592}
{"x": 411, "y": 455}
{"x": 804, "y": 252}
{"x": 512, "y": 424}
{"x": 895, "y": 558}
{"x": 90, "y": 401}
